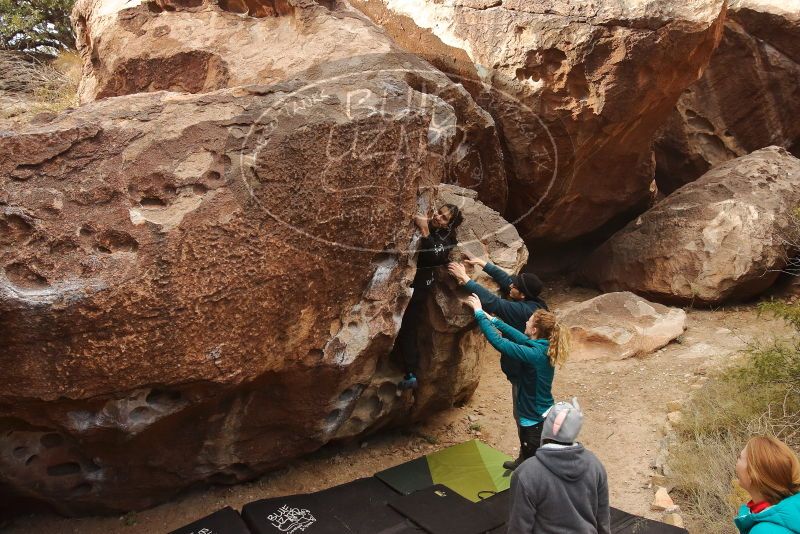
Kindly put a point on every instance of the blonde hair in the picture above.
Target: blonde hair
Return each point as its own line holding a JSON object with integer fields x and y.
{"x": 773, "y": 468}
{"x": 547, "y": 327}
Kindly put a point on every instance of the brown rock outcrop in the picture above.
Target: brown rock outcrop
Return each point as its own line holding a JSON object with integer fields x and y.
{"x": 200, "y": 287}
{"x": 199, "y": 46}
{"x": 722, "y": 238}
{"x": 748, "y": 97}
{"x": 577, "y": 88}
{"x": 203, "y": 45}
{"x": 620, "y": 325}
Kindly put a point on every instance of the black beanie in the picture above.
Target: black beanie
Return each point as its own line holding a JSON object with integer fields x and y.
{"x": 529, "y": 284}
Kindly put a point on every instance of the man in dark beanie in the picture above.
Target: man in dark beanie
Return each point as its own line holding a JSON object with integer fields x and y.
{"x": 529, "y": 285}
{"x": 564, "y": 488}
{"x": 522, "y": 300}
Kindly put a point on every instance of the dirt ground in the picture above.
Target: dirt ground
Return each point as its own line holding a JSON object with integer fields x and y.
{"x": 624, "y": 403}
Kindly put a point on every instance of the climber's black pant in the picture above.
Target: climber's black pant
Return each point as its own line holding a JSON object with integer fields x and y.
{"x": 529, "y": 439}
{"x": 409, "y": 330}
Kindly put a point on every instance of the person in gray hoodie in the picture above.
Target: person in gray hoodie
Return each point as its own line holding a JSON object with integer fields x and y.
{"x": 564, "y": 488}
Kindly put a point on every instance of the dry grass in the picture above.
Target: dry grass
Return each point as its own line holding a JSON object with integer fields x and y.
{"x": 29, "y": 85}
{"x": 758, "y": 396}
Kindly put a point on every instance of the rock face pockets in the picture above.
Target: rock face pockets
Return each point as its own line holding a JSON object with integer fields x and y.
{"x": 748, "y": 97}
{"x": 200, "y": 285}
{"x": 578, "y": 88}
{"x": 202, "y": 46}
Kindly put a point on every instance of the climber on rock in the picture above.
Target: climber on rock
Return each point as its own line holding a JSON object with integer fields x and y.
{"x": 523, "y": 300}
{"x": 438, "y": 239}
{"x": 543, "y": 347}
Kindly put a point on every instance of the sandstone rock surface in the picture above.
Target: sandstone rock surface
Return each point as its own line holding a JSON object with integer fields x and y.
{"x": 748, "y": 97}
{"x": 661, "y": 500}
{"x": 198, "y": 287}
{"x": 673, "y": 519}
{"x": 577, "y": 88}
{"x": 197, "y": 46}
{"x": 721, "y": 238}
{"x": 620, "y": 325}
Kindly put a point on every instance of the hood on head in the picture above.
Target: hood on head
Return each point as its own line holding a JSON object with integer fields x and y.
{"x": 567, "y": 463}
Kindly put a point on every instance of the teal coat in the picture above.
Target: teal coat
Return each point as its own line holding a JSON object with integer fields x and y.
{"x": 515, "y": 313}
{"x": 535, "y": 381}
{"x": 782, "y": 518}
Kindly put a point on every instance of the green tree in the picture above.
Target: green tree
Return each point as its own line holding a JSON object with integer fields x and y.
{"x": 36, "y": 26}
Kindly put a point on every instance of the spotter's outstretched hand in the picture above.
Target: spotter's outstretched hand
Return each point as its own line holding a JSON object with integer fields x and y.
{"x": 474, "y": 302}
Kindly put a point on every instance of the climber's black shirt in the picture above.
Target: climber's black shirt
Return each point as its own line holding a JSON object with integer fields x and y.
{"x": 434, "y": 251}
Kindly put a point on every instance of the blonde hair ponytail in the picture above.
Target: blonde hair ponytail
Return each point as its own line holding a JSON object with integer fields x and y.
{"x": 557, "y": 334}
{"x": 559, "y": 346}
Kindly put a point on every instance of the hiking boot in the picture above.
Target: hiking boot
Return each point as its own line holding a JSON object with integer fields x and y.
{"x": 513, "y": 464}
{"x": 408, "y": 382}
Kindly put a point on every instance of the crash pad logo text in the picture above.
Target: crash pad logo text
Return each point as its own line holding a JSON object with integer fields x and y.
{"x": 291, "y": 520}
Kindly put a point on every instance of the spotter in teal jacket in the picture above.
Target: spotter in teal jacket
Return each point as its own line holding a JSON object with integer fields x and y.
{"x": 781, "y": 518}
{"x": 534, "y": 384}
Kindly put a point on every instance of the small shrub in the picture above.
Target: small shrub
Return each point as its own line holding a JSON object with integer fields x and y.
{"x": 57, "y": 87}
{"x": 129, "y": 519}
{"x": 36, "y": 85}
{"x": 432, "y": 440}
{"x": 759, "y": 395}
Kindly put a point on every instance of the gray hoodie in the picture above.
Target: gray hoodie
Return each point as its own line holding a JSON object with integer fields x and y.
{"x": 563, "y": 489}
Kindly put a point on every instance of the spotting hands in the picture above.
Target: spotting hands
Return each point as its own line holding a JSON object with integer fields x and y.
{"x": 474, "y": 260}
{"x": 459, "y": 272}
{"x": 474, "y": 302}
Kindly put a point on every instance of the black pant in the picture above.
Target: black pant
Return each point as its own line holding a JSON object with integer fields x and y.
{"x": 409, "y": 330}
{"x": 530, "y": 438}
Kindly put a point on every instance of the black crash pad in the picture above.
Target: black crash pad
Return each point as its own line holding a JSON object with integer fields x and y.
{"x": 225, "y": 521}
{"x": 621, "y": 522}
{"x": 358, "y": 507}
{"x": 499, "y": 505}
{"x": 625, "y": 523}
{"x": 440, "y": 510}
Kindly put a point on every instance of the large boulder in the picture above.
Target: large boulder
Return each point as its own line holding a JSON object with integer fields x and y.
{"x": 196, "y": 46}
{"x": 199, "y": 287}
{"x": 577, "y": 88}
{"x": 748, "y": 97}
{"x": 620, "y": 325}
{"x": 722, "y": 238}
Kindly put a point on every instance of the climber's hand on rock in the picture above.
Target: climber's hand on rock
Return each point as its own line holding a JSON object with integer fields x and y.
{"x": 474, "y": 302}
{"x": 459, "y": 272}
{"x": 422, "y": 223}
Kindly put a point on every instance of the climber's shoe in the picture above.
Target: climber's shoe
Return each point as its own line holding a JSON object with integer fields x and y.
{"x": 408, "y": 382}
{"x": 513, "y": 464}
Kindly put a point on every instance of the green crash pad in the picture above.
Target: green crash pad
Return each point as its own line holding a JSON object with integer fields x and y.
{"x": 472, "y": 469}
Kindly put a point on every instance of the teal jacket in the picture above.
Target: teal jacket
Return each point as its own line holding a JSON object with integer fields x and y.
{"x": 514, "y": 312}
{"x": 535, "y": 382}
{"x": 782, "y": 518}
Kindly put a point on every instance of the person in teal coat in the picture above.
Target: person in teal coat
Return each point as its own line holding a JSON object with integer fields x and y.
{"x": 770, "y": 472}
{"x": 542, "y": 348}
{"x": 523, "y": 299}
